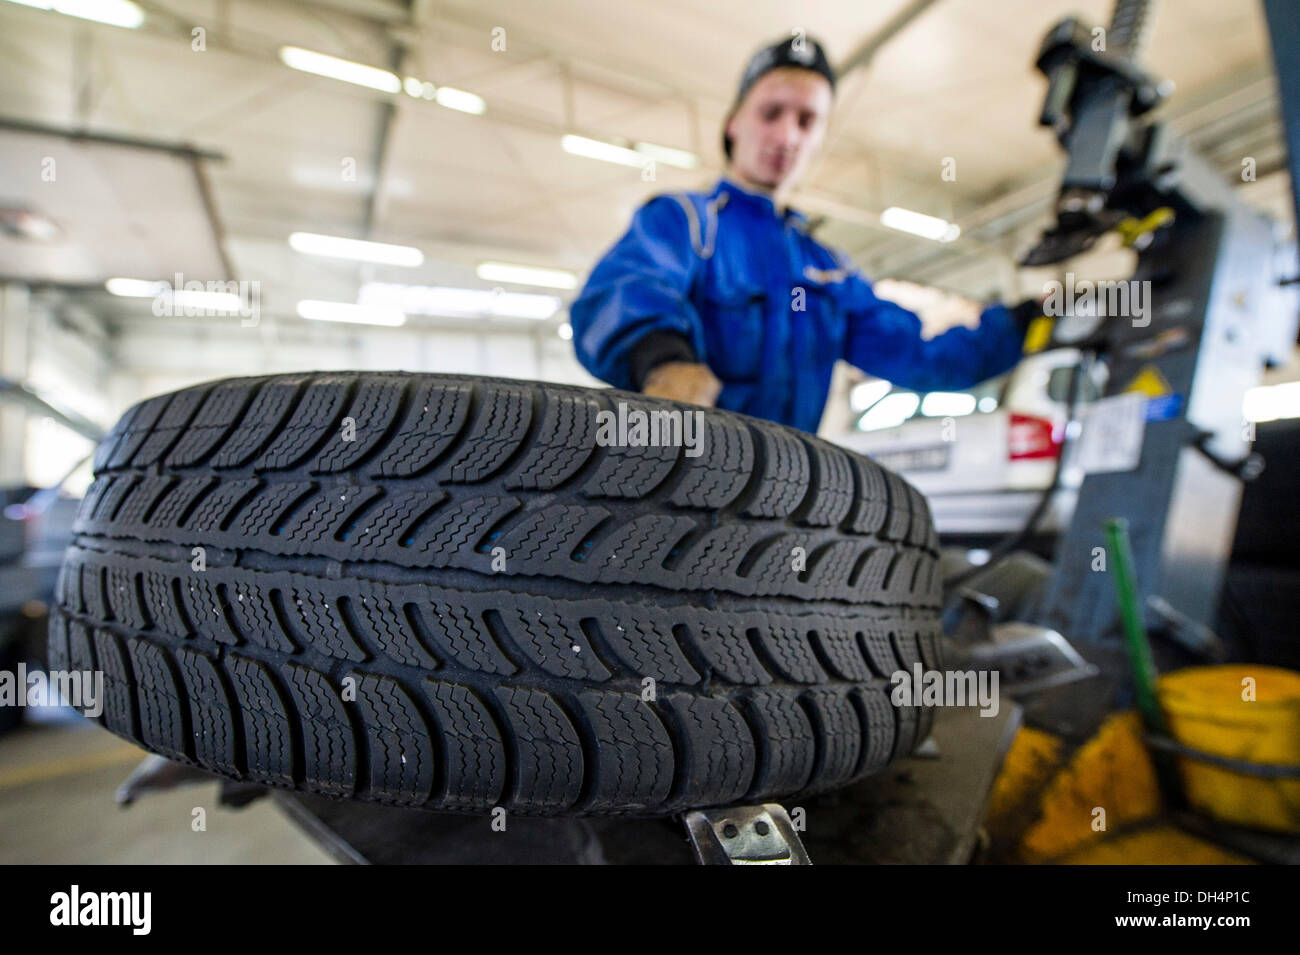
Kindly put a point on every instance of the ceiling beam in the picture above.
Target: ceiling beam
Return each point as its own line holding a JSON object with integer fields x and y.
{"x": 377, "y": 11}
{"x": 869, "y": 46}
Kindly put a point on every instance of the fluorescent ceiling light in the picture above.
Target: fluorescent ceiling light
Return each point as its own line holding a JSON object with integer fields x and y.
{"x": 917, "y": 223}
{"x": 180, "y": 298}
{"x": 866, "y": 394}
{"x": 135, "y": 288}
{"x": 668, "y": 156}
{"x": 565, "y": 331}
{"x": 354, "y": 314}
{"x": 460, "y": 100}
{"x": 890, "y": 411}
{"x": 358, "y": 250}
{"x": 322, "y": 64}
{"x": 526, "y": 275}
{"x": 608, "y": 152}
{"x": 458, "y": 302}
{"x": 945, "y": 404}
{"x": 1272, "y": 402}
{"x": 988, "y": 403}
{"x": 412, "y": 87}
{"x": 116, "y": 13}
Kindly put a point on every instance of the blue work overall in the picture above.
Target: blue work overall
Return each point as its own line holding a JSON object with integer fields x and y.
{"x": 767, "y": 308}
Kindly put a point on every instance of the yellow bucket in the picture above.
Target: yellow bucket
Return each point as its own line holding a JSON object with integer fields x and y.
{"x": 1239, "y": 711}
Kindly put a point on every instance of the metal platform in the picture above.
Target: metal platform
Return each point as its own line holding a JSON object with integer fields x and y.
{"x": 926, "y": 809}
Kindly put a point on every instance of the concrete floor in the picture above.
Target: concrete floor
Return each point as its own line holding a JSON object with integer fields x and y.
{"x": 56, "y": 806}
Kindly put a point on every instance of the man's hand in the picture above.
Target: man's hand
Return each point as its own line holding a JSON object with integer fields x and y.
{"x": 683, "y": 381}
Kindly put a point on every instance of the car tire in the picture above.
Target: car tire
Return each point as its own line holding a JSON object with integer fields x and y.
{"x": 449, "y": 592}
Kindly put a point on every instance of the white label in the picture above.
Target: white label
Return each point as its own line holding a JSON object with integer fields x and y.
{"x": 1112, "y": 434}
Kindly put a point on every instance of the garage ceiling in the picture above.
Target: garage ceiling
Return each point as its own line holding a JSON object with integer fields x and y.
{"x": 957, "y": 82}
{"x": 81, "y": 211}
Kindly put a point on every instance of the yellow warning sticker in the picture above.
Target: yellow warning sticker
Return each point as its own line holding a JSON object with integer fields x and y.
{"x": 1038, "y": 334}
{"x": 1150, "y": 382}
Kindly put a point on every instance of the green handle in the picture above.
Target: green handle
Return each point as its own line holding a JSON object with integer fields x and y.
{"x": 1135, "y": 635}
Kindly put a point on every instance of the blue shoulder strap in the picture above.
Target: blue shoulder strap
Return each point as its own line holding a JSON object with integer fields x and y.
{"x": 702, "y": 217}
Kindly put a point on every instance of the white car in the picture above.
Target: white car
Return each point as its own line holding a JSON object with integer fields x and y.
{"x": 981, "y": 457}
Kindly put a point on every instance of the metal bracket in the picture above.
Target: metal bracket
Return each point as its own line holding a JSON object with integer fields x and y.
{"x": 1030, "y": 659}
{"x": 158, "y": 774}
{"x": 745, "y": 835}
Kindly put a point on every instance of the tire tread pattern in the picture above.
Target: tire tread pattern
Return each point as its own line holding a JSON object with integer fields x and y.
{"x": 351, "y": 635}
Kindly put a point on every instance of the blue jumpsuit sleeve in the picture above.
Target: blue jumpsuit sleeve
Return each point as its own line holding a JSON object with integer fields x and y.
{"x": 642, "y": 285}
{"x": 884, "y": 339}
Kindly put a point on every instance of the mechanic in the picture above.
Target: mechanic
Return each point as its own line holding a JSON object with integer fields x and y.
{"x": 723, "y": 297}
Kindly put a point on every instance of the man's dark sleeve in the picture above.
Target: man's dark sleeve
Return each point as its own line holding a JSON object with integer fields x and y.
{"x": 635, "y": 311}
{"x": 655, "y": 349}
{"x": 1025, "y": 313}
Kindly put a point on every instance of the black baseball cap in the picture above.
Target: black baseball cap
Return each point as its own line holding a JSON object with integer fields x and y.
{"x": 798, "y": 51}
